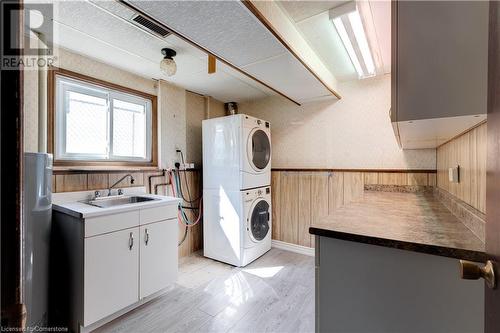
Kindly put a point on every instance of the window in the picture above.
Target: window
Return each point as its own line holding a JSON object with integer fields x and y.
{"x": 99, "y": 123}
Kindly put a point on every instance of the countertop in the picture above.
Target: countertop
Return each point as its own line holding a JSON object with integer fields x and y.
{"x": 409, "y": 221}
{"x": 82, "y": 210}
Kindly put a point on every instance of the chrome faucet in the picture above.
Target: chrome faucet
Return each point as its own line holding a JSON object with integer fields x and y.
{"x": 118, "y": 181}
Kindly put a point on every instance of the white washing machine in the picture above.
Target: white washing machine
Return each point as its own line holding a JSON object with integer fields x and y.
{"x": 237, "y": 225}
{"x": 236, "y": 153}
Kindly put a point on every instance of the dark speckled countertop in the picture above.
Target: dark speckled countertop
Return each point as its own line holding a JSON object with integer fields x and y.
{"x": 409, "y": 221}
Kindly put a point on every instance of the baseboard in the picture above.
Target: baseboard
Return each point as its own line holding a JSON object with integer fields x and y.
{"x": 308, "y": 251}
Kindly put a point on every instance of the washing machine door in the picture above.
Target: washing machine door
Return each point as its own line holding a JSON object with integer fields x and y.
{"x": 259, "y": 220}
{"x": 259, "y": 149}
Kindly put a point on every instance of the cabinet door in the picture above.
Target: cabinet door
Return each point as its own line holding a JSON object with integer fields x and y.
{"x": 111, "y": 273}
{"x": 158, "y": 256}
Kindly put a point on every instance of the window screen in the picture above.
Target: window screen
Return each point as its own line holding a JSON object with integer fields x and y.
{"x": 96, "y": 123}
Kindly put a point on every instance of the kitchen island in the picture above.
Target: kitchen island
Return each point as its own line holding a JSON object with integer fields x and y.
{"x": 389, "y": 263}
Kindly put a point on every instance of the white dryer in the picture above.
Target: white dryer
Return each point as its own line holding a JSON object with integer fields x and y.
{"x": 236, "y": 153}
{"x": 237, "y": 225}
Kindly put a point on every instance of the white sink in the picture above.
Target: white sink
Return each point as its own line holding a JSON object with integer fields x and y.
{"x": 118, "y": 201}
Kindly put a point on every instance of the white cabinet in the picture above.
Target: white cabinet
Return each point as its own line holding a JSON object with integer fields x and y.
{"x": 113, "y": 262}
{"x": 111, "y": 272}
{"x": 158, "y": 256}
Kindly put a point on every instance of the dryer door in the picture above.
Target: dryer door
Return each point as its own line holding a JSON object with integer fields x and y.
{"x": 259, "y": 149}
{"x": 259, "y": 220}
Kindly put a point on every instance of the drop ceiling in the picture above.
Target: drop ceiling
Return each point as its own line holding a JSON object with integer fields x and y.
{"x": 101, "y": 30}
{"x": 233, "y": 33}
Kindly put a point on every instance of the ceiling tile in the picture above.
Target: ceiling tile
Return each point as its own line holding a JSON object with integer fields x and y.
{"x": 208, "y": 22}
{"x": 223, "y": 87}
{"x": 284, "y": 72}
{"x": 300, "y": 10}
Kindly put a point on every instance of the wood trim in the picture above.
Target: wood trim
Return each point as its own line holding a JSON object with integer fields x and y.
{"x": 51, "y": 80}
{"x": 98, "y": 82}
{"x": 463, "y": 132}
{"x": 212, "y": 67}
{"x": 184, "y": 38}
{"x": 50, "y": 111}
{"x": 58, "y": 170}
{"x": 250, "y": 6}
{"x": 355, "y": 170}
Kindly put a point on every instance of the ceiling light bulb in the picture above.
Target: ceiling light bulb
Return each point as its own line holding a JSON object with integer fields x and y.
{"x": 168, "y": 66}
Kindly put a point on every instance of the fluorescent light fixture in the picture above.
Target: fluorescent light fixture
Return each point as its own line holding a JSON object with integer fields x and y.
{"x": 347, "y": 44}
{"x": 349, "y": 26}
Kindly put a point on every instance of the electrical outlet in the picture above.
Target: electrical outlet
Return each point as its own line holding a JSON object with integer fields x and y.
{"x": 187, "y": 166}
{"x": 454, "y": 174}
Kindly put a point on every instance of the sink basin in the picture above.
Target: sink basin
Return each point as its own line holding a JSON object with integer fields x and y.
{"x": 111, "y": 202}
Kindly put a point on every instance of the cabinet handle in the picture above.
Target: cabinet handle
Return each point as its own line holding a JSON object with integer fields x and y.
{"x": 146, "y": 237}
{"x": 131, "y": 241}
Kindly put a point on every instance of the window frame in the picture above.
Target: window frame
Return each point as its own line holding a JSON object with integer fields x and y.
{"x": 114, "y": 91}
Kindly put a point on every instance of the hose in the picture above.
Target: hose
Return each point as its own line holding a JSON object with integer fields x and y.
{"x": 189, "y": 200}
{"x": 181, "y": 213}
{"x": 176, "y": 185}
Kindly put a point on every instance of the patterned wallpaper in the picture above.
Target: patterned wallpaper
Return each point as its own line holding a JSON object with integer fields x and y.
{"x": 30, "y": 111}
{"x": 194, "y": 104}
{"x": 99, "y": 70}
{"x": 172, "y": 103}
{"x": 352, "y": 133}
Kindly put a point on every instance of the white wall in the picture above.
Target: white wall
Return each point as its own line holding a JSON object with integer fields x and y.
{"x": 352, "y": 133}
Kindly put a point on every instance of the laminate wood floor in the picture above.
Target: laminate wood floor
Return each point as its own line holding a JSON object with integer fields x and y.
{"x": 275, "y": 293}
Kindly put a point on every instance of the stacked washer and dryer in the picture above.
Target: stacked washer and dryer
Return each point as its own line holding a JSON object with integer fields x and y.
{"x": 236, "y": 188}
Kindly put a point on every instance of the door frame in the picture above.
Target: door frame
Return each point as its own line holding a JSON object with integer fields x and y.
{"x": 492, "y": 297}
{"x": 13, "y": 312}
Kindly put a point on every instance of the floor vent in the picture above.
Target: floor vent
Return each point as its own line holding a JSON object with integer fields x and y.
{"x": 147, "y": 24}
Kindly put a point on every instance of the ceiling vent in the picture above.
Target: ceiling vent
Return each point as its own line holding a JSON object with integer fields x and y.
{"x": 148, "y": 25}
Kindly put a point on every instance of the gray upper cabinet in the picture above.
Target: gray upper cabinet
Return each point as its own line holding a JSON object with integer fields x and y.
{"x": 439, "y": 69}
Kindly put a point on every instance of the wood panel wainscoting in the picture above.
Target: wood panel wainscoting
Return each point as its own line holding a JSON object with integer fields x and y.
{"x": 469, "y": 152}
{"x": 68, "y": 181}
{"x": 301, "y": 197}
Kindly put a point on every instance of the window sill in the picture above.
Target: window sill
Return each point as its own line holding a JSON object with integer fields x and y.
{"x": 101, "y": 169}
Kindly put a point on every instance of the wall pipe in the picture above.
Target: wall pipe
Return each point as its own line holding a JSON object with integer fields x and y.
{"x": 158, "y": 185}
{"x": 150, "y": 188}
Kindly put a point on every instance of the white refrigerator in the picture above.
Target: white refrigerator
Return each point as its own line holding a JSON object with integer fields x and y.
{"x": 37, "y": 196}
